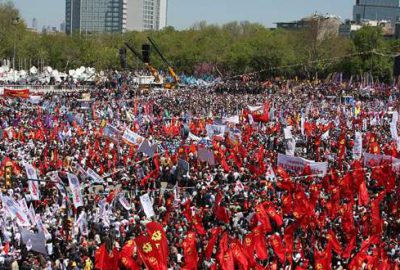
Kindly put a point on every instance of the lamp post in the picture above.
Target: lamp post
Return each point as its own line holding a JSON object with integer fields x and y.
{"x": 15, "y": 23}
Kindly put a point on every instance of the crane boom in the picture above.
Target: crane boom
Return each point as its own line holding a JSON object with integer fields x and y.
{"x": 152, "y": 69}
{"x": 170, "y": 69}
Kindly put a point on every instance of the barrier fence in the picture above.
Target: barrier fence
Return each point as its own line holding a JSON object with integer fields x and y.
{"x": 44, "y": 89}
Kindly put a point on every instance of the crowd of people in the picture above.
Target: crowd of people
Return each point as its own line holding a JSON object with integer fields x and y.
{"x": 202, "y": 183}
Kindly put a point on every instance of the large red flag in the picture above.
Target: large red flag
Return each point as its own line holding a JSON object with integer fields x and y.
{"x": 259, "y": 243}
{"x": 333, "y": 241}
{"x": 159, "y": 240}
{"x": 322, "y": 260}
{"x": 211, "y": 243}
{"x": 277, "y": 246}
{"x": 248, "y": 247}
{"x": 126, "y": 256}
{"x": 277, "y": 217}
{"x": 190, "y": 252}
{"x": 105, "y": 260}
{"x": 225, "y": 257}
{"x": 263, "y": 218}
{"x": 149, "y": 253}
{"x": 376, "y": 221}
{"x": 363, "y": 194}
{"x": 238, "y": 255}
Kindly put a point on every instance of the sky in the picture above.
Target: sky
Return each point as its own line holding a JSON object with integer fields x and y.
{"x": 184, "y": 13}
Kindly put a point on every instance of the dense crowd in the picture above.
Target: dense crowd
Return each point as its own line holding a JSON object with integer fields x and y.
{"x": 215, "y": 199}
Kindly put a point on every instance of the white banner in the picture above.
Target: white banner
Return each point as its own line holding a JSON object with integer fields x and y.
{"x": 215, "y": 130}
{"x": 15, "y": 211}
{"x": 302, "y": 121}
{"x": 290, "y": 147}
{"x": 255, "y": 108}
{"x": 232, "y": 119}
{"x": 393, "y": 131}
{"x": 132, "y": 138}
{"x": 32, "y": 185}
{"x": 288, "y": 133}
{"x": 122, "y": 200}
{"x": 357, "y": 148}
{"x": 147, "y": 205}
{"x": 76, "y": 190}
{"x": 297, "y": 164}
{"x": 26, "y": 210}
{"x": 94, "y": 176}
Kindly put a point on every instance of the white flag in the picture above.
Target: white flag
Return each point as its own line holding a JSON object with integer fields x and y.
{"x": 122, "y": 200}
{"x": 94, "y": 176}
{"x": 15, "y": 211}
{"x": 76, "y": 190}
{"x": 147, "y": 205}
{"x": 357, "y": 148}
{"x": 32, "y": 185}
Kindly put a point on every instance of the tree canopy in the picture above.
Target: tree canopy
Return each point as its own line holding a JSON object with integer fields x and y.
{"x": 232, "y": 48}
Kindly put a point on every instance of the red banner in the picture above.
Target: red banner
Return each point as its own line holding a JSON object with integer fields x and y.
{"x": 16, "y": 93}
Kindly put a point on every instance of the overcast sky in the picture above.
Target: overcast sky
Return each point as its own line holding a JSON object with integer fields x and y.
{"x": 184, "y": 13}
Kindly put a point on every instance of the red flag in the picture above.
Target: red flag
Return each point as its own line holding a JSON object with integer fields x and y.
{"x": 126, "y": 256}
{"x": 239, "y": 255}
{"x": 332, "y": 240}
{"x": 159, "y": 240}
{"x": 376, "y": 221}
{"x": 263, "y": 218}
{"x": 322, "y": 260}
{"x": 105, "y": 260}
{"x": 225, "y": 257}
{"x": 277, "y": 217}
{"x": 248, "y": 247}
{"x": 277, "y": 246}
{"x": 211, "y": 243}
{"x": 350, "y": 246}
{"x": 363, "y": 194}
{"x": 190, "y": 251}
{"x": 149, "y": 253}
{"x": 259, "y": 243}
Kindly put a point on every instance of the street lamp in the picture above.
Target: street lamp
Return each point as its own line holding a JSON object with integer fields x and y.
{"x": 15, "y": 23}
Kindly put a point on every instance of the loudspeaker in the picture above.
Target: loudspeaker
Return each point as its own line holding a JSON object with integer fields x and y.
{"x": 396, "y": 66}
{"x": 122, "y": 57}
{"x": 146, "y": 53}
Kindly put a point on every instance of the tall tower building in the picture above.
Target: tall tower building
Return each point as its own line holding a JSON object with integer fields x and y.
{"x": 388, "y": 10}
{"x": 95, "y": 16}
{"x": 34, "y": 23}
{"x": 146, "y": 15}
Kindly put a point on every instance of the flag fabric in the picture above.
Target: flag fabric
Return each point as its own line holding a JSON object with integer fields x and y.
{"x": 75, "y": 187}
{"x": 159, "y": 240}
{"x": 15, "y": 211}
{"x": 147, "y": 205}
{"x": 224, "y": 256}
{"x": 149, "y": 254}
{"x": 190, "y": 252}
{"x": 32, "y": 185}
{"x": 126, "y": 256}
{"x": 211, "y": 242}
{"x": 105, "y": 260}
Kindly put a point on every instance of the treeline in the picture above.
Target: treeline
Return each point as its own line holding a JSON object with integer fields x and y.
{"x": 233, "y": 48}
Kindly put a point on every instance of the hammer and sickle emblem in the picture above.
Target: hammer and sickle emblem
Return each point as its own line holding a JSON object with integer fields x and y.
{"x": 147, "y": 248}
{"x": 319, "y": 266}
{"x": 156, "y": 236}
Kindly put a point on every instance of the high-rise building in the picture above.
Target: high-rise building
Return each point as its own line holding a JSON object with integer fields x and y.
{"x": 34, "y": 23}
{"x": 146, "y": 15}
{"x": 95, "y": 16}
{"x": 62, "y": 27}
{"x": 376, "y": 10}
{"x": 99, "y": 16}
